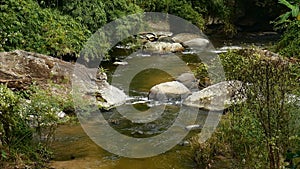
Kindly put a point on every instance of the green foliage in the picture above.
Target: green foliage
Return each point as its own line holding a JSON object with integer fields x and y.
{"x": 9, "y": 117}
{"x": 26, "y": 126}
{"x": 179, "y": 8}
{"x": 41, "y": 114}
{"x": 16, "y": 134}
{"x": 216, "y": 9}
{"x": 272, "y": 81}
{"x": 238, "y": 140}
{"x": 294, "y": 13}
{"x": 93, "y": 13}
{"x": 90, "y": 13}
{"x": 186, "y": 11}
{"x": 289, "y": 44}
{"x": 260, "y": 132}
{"x": 24, "y": 25}
{"x": 104, "y": 39}
{"x": 116, "y": 9}
{"x": 289, "y": 22}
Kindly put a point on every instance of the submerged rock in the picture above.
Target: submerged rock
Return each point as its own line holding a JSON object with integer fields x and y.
{"x": 217, "y": 97}
{"x": 169, "y": 91}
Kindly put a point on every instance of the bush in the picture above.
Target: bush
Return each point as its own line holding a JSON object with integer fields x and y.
{"x": 10, "y": 119}
{"x": 25, "y": 25}
{"x": 27, "y": 126}
{"x": 261, "y": 131}
{"x": 16, "y": 134}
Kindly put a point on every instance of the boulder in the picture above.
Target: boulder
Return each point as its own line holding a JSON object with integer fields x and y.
{"x": 198, "y": 43}
{"x": 109, "y": 96}
{"x": 217, "y": 97}
{"x": 168, "y": 91}
{"x": 163, "y": 47}
{"x": 189, "y": 80}
{"x": 19, "y": 69}
{"x": 183, "y": 37}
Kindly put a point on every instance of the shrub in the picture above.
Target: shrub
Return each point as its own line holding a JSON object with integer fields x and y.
{"x": 11, "y": 126}
{"x": 27, "y": 126}
{"x": 261, "y": 131}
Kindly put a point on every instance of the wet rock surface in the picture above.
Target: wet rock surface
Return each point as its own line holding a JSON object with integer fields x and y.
{"x": 169, "y": 91}
{"x": 217, "y": 97}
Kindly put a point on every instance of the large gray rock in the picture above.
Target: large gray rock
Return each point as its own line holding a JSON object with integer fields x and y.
{"x": 217, "y": 97}
{"x": 162, "y": 47}
{"x": 169, "y": 91}
{"x": 189, "y": 80}
{"x": 109, "y": 96}
{"x": 198, "y": 43}
{"x": 183, "y": 37}
{"x": 19, "y": 69}
{"x": 97, "y": 92}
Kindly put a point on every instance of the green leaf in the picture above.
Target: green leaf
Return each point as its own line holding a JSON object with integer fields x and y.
{"x": 295, "y": 11}
{"x": 3, "y": 154}
{"x": 286, "y": 3}
{"x": 284, "y": 17}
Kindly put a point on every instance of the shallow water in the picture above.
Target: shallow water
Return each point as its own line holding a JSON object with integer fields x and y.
{"x": 73, "y": 148}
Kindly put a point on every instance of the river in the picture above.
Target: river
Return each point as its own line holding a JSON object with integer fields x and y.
{"x": 73, "y": 149}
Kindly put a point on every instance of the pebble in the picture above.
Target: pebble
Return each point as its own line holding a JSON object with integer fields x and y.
{"x": 193, "y": 127}
{"x": 184, "y": 143}
{"x": 121, "y": 63}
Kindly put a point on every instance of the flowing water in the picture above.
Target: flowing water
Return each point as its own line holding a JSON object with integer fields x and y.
{"x": 73, "y": 148}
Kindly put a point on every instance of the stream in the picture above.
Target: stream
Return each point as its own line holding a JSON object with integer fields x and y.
{"x": 73, "y": 148}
